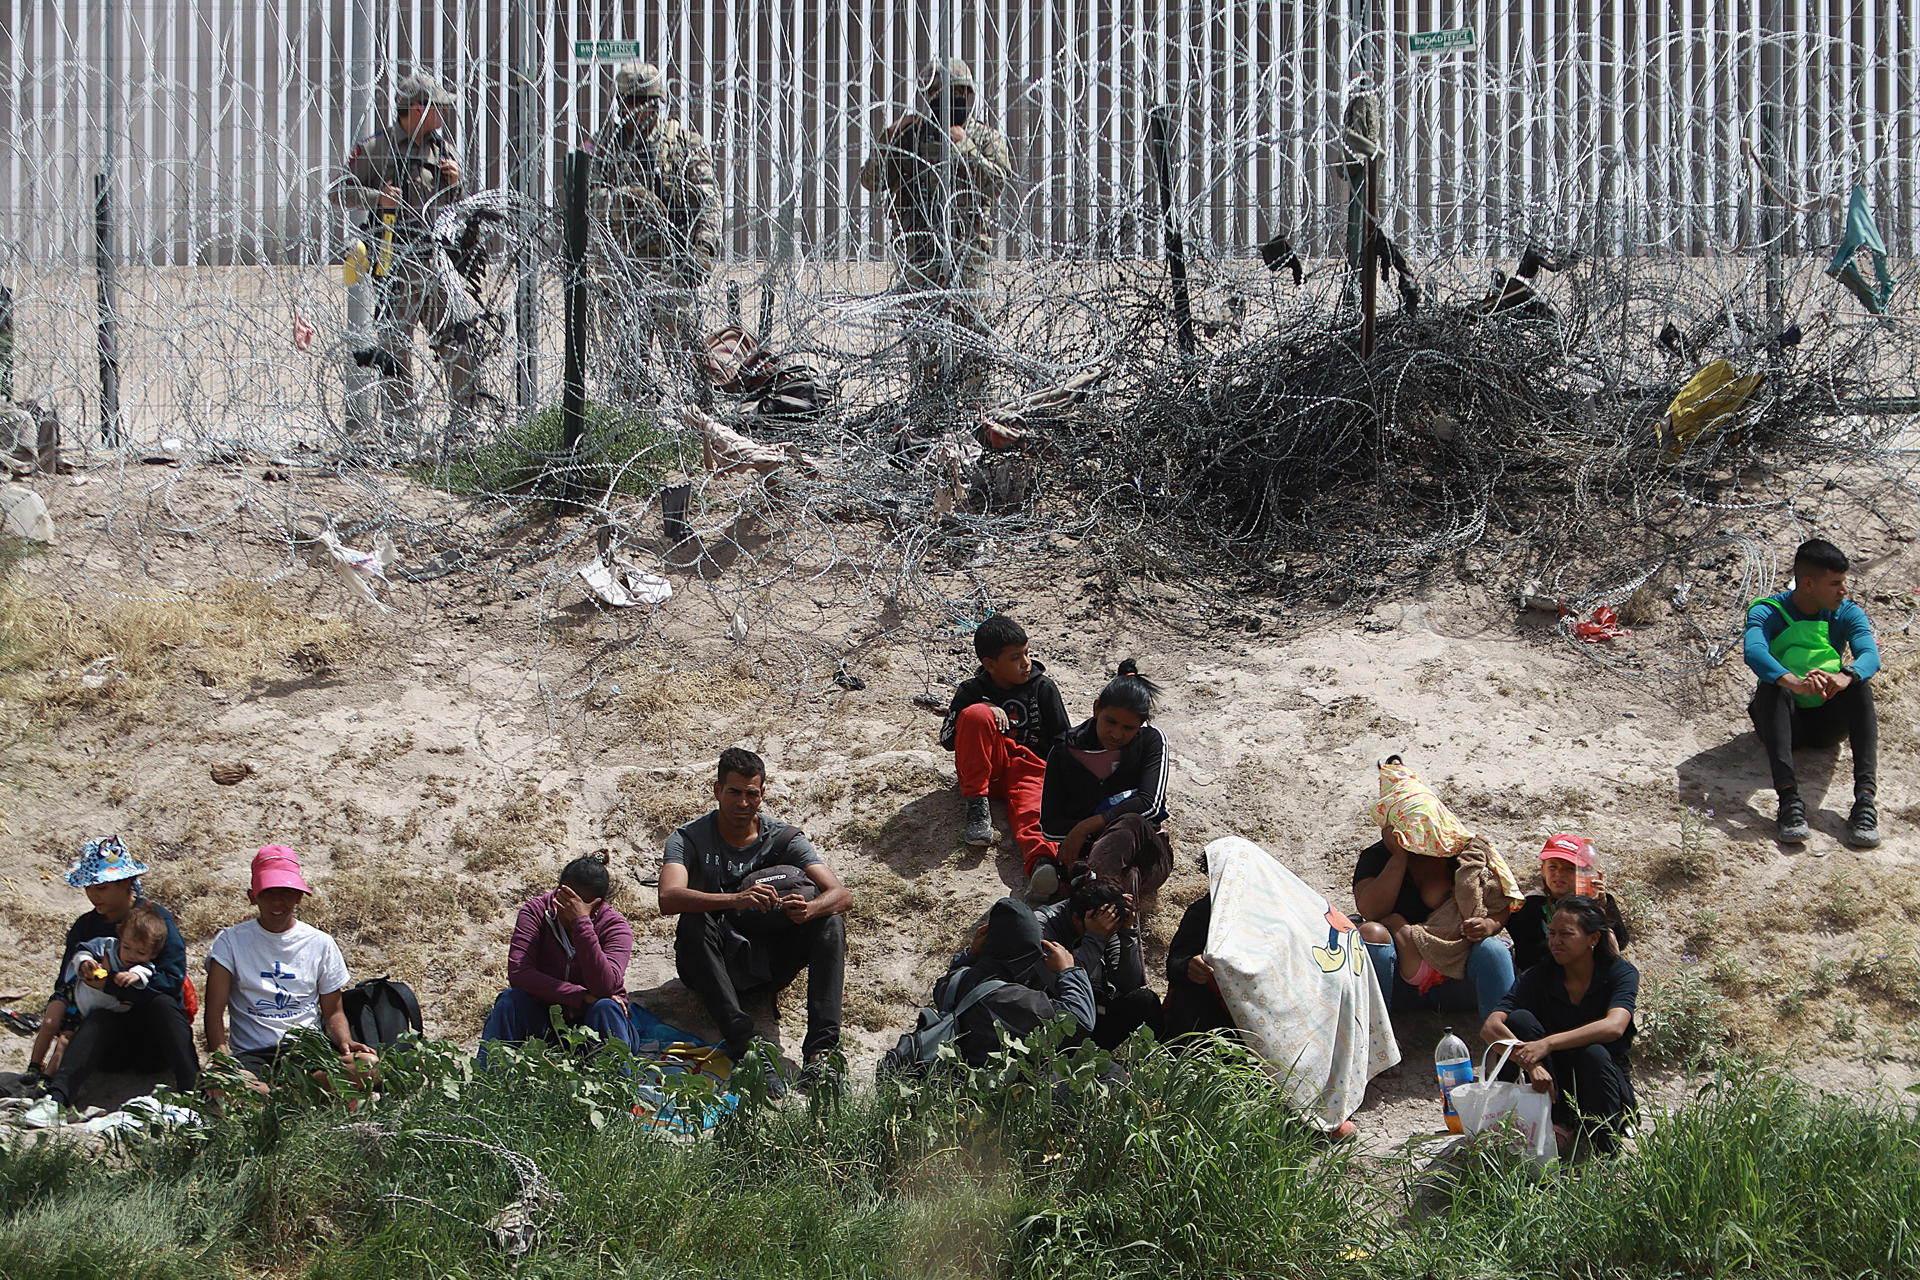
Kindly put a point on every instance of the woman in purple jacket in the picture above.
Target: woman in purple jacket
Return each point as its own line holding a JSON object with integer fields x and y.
{"x": 569, "y": 950}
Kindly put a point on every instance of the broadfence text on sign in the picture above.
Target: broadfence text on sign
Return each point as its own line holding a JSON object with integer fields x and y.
{"x": 1451, "y": 41}
{"x": 605, "y": 50}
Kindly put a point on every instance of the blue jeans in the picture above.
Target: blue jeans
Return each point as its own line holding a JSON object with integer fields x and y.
{"x": 1489, "y": 977}
{"x": 518, "y": 1017}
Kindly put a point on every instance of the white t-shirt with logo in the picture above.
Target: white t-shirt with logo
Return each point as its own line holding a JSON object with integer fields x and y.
{"x": 278, "y": 979}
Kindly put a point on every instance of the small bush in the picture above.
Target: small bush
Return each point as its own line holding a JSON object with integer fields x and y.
{"x": 621, "y": 452}
{"x": 1680, "y": 1017}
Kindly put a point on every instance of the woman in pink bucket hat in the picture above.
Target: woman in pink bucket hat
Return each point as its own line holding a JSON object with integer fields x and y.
{"x": 271, "y": 974}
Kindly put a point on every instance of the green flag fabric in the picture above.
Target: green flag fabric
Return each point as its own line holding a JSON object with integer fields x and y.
{"x": 1862, "y": 234}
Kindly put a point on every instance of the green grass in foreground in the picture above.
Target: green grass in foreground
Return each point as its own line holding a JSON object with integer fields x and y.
{"x": 1194, "y": 1168}
{"x": 621, "y": 452}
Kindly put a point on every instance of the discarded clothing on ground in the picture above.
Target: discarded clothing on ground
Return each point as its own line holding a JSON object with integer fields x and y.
{"x": 1862, "y": 234}
{"x": 680, "y": 1053}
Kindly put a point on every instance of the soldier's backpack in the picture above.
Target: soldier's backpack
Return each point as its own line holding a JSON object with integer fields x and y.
{"x": 735, "y": 362}
{"x": 379, "y": 1011}
{"x": 916, "y": 1051}
{"x": 793, "y": 394}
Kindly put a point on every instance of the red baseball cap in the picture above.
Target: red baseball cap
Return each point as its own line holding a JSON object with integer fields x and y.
{"x": 1568, "y": 848}
{"x": 276, "y": 867}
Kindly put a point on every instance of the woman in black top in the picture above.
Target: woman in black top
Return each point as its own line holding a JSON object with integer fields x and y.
{"x": 1573, "y": 1014}
{"x": 1105, "y": 794}
{"x": 1193, "y": 1000}
{"x": 153, "y": 1031}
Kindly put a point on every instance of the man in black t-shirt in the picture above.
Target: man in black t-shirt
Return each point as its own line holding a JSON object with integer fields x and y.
{"x": 701, "y": 877}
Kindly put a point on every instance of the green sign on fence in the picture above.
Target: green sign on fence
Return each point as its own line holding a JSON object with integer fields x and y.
{"x": 605, "y": 50}
{"x": 1452, "y": 41}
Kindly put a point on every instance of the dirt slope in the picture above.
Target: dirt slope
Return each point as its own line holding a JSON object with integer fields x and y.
{"x": 436, "y": 765}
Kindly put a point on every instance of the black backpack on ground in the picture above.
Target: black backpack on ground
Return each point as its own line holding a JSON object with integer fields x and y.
{"x": 379, "y": 1011}
{"x": 914, "y": 1055}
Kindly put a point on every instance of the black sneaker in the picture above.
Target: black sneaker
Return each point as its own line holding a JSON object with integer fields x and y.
{"x": 1863, "y": 824}
{"x": 979, "y": 828}
{"x": 1793, "y": 819}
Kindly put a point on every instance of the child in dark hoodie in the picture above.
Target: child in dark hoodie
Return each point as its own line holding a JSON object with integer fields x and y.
{"x": 570, "y": 949}
{"x": 1042, "y": 981}
{"x": 1003, "y": 723}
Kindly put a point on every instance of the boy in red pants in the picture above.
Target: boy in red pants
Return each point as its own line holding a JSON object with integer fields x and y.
{"x": 1003, "y": 722}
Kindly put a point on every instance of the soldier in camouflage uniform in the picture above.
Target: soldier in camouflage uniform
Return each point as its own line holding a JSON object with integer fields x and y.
{"x": 402, "y": 177}
{"x": 942, "y": 173}
{"x": 654, "y": 197}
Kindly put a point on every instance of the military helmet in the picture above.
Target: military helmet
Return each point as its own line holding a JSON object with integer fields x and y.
{"x": 639, "y": 80}
{"x": 418, "y": 89}
{"x": 951, "y": 73}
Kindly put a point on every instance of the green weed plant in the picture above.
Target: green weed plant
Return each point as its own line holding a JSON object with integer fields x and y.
{"x": 621, "y": 452}
{"x": 1050, "y": 1161}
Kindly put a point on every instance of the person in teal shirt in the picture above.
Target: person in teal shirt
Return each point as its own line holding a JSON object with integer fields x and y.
{"x": 1814, "y": 654}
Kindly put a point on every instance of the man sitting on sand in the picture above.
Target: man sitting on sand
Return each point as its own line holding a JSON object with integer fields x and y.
{"x": 757, "y": 905}
{"x": 1808, "y": 693}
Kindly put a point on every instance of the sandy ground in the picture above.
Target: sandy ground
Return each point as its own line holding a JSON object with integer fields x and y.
{"x": 437, "y": 765}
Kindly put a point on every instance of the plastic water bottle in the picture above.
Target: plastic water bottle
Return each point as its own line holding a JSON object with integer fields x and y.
{"x": 1453, "y": 1065}
{"x": 1583, "y": 876}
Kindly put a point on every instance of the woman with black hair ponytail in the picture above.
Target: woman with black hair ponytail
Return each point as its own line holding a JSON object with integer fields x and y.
{"x": 1105, "y": 796}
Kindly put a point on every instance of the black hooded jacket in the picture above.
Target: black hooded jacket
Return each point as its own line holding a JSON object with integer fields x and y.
{"x": 1070, "y": 795}
{"x": 1033, "y": 993}
{"x": 1036, "y": 717}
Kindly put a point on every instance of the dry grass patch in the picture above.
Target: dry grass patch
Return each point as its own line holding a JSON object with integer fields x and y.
{"x": 672, "y": 706}
{"x": 203, "y": 901}
{"x": 91, "y": 651}
{"x": 523, "y": 833}
{"x": 885, "y": 901}
{"x": 1896, "y": 691}
{"x": 646, "y": 810}
{"x": 876, "y": 1007}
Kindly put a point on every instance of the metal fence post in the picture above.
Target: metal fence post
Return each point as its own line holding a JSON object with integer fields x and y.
{"x": 525, "y": 160}
{"x": 1772, "y": 219}
{"x": 573, "y": 397}
{"x": 1170, "y": 227}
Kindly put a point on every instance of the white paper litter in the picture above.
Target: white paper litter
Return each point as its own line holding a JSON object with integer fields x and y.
{"x": 360, "y": 569}
{"x": 622, "y": 584}
{"x": 143, "y": 1112}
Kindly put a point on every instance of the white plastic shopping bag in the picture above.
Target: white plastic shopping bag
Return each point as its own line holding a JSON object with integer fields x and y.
{"x": 1489, "y": 1102}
